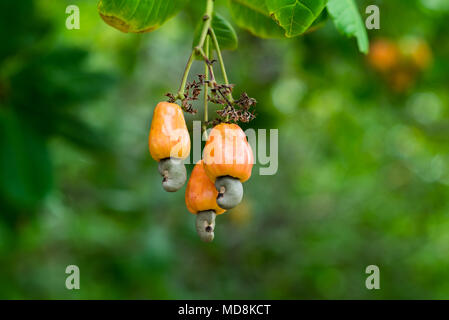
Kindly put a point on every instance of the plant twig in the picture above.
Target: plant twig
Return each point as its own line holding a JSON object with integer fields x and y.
{"x": 206, "y": 86}
{"x": 220, "y": 60}
{"x": 185, "y": 76}
{"x": 207, "y": 20}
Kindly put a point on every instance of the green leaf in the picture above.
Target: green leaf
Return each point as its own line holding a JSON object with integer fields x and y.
{"x": 226, "y": 36}
{"x": 347, "y": 19}
{"x": 253, "y": 15}
{"x": 25, "y": 166}
{"x": 319, "y": 22}
{"x": 295, "y": 16}
{"x": 138, "y": 16}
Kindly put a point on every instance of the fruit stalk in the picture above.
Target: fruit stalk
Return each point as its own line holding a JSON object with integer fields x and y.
{"x": 220, "y": 60}
{"x": 207, "y": 21}
{"x": 206, "y": 86}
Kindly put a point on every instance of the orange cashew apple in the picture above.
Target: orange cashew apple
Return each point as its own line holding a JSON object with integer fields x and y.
{"x": 228, "y": 161}
{"x": 201, "y": 200}
{"x": 169, "y": 144}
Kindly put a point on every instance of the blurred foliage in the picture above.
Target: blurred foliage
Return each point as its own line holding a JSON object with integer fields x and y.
{"x": 363, "y": 168}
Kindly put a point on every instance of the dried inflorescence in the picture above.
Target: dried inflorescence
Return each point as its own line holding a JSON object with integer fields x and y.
{"x": 192, "y": 92}
{"x": 241, "y": 110}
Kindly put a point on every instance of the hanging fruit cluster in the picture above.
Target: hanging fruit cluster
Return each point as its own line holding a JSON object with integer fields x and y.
{"x": 215, "y": 184}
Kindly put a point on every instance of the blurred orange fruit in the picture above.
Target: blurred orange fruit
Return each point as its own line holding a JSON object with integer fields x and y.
{"x": 384, "y": 55}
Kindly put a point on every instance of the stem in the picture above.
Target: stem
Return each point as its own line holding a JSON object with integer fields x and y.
{"x": 220, "y": 57}
{"x": 185, "y": 76}
{"x": 220, "y": 60}
{"x": 201, "y": 52}
{"x": 229, "y": 99}
{"x": 207, "y": 18}
{"x": 206, "y": 86}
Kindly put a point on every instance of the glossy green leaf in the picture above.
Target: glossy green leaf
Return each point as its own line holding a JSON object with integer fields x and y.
{"x": 227, "y": 38}
{"x": 319, "y": 22}
{"x": 347, "y": 19}
{"x": 226, "y": 35}
{"x": 25, "y": 167}
{"x": 295, "y": 16}
{"x": 253, "y": 15}
{"x": 138, "y": 16}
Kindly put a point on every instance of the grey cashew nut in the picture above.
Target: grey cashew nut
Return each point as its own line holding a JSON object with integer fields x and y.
{"x": 173, "y": 172}
{"x": 230, "y": 192}
{"x": 205, "y": 225}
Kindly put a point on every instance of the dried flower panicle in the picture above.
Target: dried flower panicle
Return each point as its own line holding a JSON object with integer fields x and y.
{"x": 241, "y": 110}
{"x": 192, "y": 92}
{"x": 171, "y": 97}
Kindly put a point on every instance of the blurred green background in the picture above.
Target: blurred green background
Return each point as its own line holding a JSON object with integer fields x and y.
{"x": 363, "y": 163}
